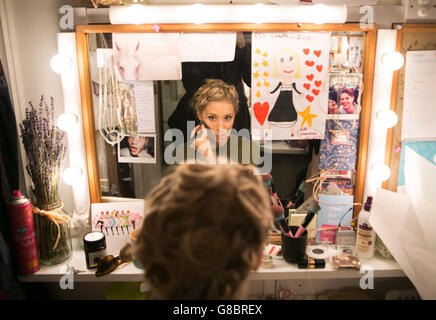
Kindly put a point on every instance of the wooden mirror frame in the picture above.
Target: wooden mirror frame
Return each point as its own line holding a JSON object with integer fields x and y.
{"x": 393, "y": 138}
{"x": 86, "y": 95}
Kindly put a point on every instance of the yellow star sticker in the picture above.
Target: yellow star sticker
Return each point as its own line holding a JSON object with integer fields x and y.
{"x": 256, "y": 64}
{"x": 265, "y": 63}
{"x": 256, "y": 74}
{"x": 265, "y": 74}
{"x": 265, "y": 54}
{"x": 257, "y": 51}
{"x": 258, "y": 94}
{"x": 266, "y": 83}
{"x": 307, "y": 117}
{"x": 258, "y": 83}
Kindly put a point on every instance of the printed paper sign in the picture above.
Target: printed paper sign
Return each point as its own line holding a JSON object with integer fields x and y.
{"x": 289, "y": 84}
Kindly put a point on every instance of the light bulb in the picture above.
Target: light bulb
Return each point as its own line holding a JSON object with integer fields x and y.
{"x": 67, "y": 121}
{"x": 258, "y": 13}
{"x": 198, "y": 11}
{"x": 393, "y": 60}
{"x": 387, "y": 118}
{"x": 72, "y": 175}
{"x": 380, "y": 171}
{"x": 319, "y": 13}
{"x": 60, "y": 63}
{"x": 135, "y": 13}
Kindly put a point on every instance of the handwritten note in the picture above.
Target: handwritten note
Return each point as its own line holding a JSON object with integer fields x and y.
{"x": 419, "y": 113}
{"x": 208, "y": 46}
{"x": 144, "y": 100}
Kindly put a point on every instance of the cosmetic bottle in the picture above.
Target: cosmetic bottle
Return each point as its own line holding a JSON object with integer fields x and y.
{"x": 365, "y": 239}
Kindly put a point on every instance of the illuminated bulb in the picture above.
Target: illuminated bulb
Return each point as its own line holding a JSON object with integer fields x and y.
{"x": 135, "y": 12}
{"x": 380, "y": 171}
{"x": 258, "y": 13}
{"x": 387, "y": 118}
{"x": 319, "y": 14}
{"x": 72, "y": 175}
{"x": 60, "y": 63}
{"x": 198, "y": 12}
{"x": 393, "y": 60}
{"x": 67, "y": 121}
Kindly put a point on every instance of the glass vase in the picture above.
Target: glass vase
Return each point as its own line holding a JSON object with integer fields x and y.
{"x": 53, "y": 234}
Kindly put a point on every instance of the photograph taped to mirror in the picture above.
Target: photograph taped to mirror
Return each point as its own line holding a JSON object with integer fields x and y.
{"x": 137, "y": 149}
{"x": 146, "y": 56}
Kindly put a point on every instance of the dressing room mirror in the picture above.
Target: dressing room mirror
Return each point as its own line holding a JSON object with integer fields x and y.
{"x": 125, "y": 145}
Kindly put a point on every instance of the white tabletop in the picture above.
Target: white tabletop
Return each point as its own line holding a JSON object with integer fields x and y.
{"x": 383, "y": 268}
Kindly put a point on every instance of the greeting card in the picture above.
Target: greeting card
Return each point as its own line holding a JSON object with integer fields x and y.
{"x": 116, "y": 220}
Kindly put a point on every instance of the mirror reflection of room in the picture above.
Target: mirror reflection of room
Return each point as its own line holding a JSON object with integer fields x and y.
{"x": 322, "y": 89}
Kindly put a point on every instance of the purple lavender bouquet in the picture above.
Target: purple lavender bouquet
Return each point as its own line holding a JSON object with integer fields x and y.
{"x": 42, "y": 140}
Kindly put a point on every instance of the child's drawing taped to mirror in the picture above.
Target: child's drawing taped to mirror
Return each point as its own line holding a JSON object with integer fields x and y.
{"x": 289, "y": 85}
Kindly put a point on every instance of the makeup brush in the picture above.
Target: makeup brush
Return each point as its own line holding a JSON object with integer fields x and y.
{"x": 279, "y": 217}
{"x": 314, "y": 208}
{"x": 296, "y": 197}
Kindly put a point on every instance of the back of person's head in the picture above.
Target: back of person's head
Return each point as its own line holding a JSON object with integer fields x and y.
{"x": 204, "y": 231}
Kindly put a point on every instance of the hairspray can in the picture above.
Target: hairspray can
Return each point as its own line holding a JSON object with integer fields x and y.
{"x": 23, "y": 233}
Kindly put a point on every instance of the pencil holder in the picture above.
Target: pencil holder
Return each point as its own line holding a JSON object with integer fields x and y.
{"x": 294, "y": 249}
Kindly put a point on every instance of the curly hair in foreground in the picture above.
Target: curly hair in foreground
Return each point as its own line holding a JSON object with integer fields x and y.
{"x": 204, "y": 231}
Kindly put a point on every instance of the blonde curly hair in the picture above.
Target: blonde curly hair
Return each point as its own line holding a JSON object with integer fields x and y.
{"x": 204, "y": 230}
{"x": 214, "y": 90}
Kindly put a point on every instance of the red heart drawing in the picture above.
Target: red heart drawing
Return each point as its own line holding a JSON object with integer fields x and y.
{"x": 319, "y": 67}
{"x": 315, "y": 91}
{"x": 309, "y": 98}
{"x": 306, "y": 86}
{"x": 309, "y": 63}
{"x": 306, "y": 50}
{"x": 261, "y": 111}
{"x": 318, "y": 83}
{"x": 317, "y": 53}
{"x": 309, "y": 77}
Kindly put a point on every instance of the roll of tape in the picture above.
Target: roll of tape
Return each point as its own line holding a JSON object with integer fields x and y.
{"x": 318, "y": 252}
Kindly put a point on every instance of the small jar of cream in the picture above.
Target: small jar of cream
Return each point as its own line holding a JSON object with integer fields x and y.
{"x": 94, "y": 244}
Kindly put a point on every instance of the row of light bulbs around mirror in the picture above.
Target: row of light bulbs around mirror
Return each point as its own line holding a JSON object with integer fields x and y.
{"x": 68, "y": 121}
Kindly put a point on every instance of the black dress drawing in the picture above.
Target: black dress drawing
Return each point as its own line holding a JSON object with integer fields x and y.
{"x": 283, "y": 113}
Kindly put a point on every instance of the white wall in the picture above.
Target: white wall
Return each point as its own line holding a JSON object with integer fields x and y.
{"x": 29, "y": 31}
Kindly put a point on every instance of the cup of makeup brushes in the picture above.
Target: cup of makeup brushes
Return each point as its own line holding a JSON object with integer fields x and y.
{"x": 294, "y": 249}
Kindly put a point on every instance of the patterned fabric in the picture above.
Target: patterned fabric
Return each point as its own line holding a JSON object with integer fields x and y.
{"x": 339, "y": 146}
